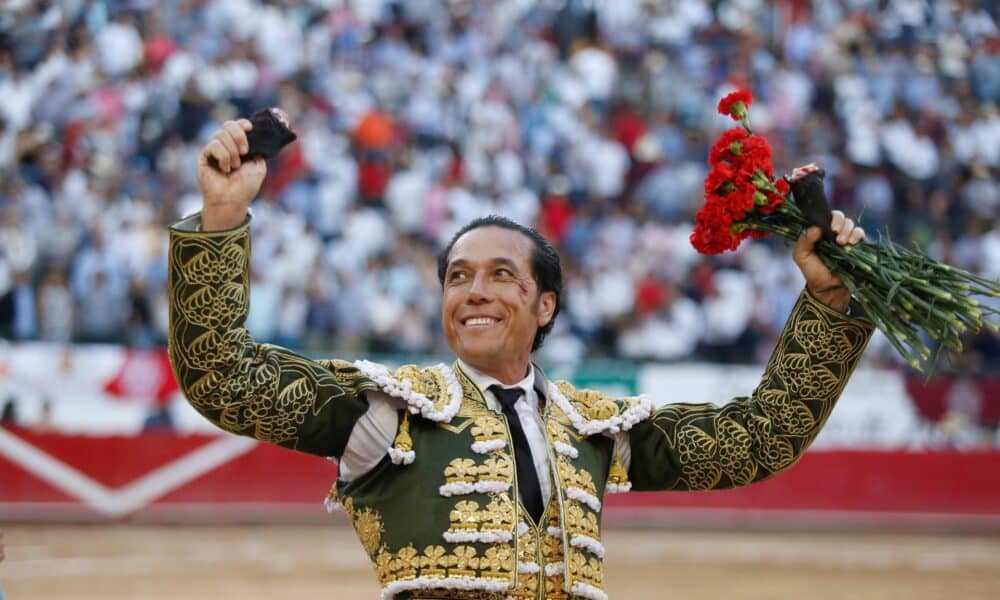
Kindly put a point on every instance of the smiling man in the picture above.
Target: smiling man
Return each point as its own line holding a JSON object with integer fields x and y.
{"x": 483, "y": 478}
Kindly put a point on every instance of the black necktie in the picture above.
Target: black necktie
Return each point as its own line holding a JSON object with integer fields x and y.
{"x": 527, "y": 477}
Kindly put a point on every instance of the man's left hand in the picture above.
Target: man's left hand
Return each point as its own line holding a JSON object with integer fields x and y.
{"x": 820, "y": 281}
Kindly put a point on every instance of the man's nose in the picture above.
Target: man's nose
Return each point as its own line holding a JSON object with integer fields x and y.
{"x": 479, "y": 290}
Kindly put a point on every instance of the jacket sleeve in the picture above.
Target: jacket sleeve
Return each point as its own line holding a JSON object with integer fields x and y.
{"x": 704, "y": 446}
{"x": 257, "y": 390}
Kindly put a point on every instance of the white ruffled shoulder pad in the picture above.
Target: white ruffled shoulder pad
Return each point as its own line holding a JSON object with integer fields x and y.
{"x": 592, "y": 412}
{"x": 431, "y": 392}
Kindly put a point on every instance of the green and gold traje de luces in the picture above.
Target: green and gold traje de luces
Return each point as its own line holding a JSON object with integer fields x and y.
{"x": 439, "y": 516}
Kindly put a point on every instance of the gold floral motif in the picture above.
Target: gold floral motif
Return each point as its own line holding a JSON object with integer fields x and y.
{"x": 461, "y": 470}
{"x": 498, "y": 514}
{"x": 465, "y": 516}
{"x": 488, "y": 428}
{"x": 580, "y": 520}
{"x": 368, "y": 524}
{"x": 589, "y": 570}
{"x": 573, "y": 477}
{"x": 498, "y": 467}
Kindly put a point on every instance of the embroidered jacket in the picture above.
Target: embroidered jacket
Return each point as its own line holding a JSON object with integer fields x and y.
{"x": 440, "y": 516}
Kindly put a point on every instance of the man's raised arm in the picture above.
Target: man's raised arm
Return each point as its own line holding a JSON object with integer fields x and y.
{"x": 258, "y": 390}
{"x": 704, "y": 446}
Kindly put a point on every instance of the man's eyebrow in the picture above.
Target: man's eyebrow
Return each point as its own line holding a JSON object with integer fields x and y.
{"x": 499, "y": 260}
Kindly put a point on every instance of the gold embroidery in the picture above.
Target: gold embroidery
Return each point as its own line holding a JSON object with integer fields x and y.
{"x": 461, "y": 470}
{"x": 498, "y": 467}
{"x": 617, "y": 475}
{"x": 580, "y": 520}
{"x": 247, "y": 388}
{"x": 748, "y": 439}
{"x": 573, "y": 477}
{"x": 497, "y": 517}
{"x": 457, "y": 425}
{"x": 488, "y": 428}
{"x": 368, "y": 524}
{"x": 465, "y": 516}
{"x": 403, "y": 442}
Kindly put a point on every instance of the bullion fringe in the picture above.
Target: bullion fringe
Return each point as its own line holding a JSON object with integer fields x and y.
{"x": 555, "y": 568}
{"x": 417, "y": 402}
{"x": 588, "y": 591}
{"x": 581, "y": 496}
{"x": 455, "y": 583}
{"x": 487, "y": 446}
{"x": 639, "y": 411}
{"x": 401, "y": 457}
{"x": 587, "y": 543}
{"x": 528, "y": 567}
{"x": 565, "y": 449}
{"x": 462, "y": 488}
{"x": 618, "y": 488}
{"x": 482, "y": 537}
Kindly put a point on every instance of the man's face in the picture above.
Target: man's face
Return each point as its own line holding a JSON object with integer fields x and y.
{"x": 491, "y": 306}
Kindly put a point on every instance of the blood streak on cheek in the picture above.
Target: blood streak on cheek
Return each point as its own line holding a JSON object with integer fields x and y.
{"x": 523, "y": 286}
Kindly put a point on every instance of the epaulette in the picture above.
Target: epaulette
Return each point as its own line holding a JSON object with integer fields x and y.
{"x": 431, "y": 392}
{"x": 592, "y": 412}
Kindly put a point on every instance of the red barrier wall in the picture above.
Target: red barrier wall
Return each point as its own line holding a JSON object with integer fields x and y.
{"x": 172, "y": 477}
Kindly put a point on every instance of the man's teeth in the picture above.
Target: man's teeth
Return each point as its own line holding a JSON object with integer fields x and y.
{"x": 478, "y": 321}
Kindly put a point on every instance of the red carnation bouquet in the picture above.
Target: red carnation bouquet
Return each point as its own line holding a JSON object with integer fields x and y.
{"x": 901, "y": 290}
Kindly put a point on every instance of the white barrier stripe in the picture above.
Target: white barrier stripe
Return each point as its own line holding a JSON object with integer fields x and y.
{"x": 56, "y": 473}
{"x": 179, "y": 472}
{"x": 133, "y": 496}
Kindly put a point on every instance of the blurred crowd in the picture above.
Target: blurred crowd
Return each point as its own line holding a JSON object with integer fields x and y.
{"x": 590, "y": 120}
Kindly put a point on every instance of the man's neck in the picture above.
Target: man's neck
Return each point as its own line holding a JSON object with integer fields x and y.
{"x": 511, "y": 377}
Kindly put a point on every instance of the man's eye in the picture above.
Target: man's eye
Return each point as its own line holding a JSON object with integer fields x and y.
{"x": 456, "y": 276}
{"x": 504, "y": 272}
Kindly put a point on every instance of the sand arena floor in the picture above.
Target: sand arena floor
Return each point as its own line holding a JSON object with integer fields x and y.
{"x": 309, "y": 562}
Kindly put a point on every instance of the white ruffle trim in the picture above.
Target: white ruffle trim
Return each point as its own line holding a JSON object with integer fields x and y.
{"x": 565, "y": 449}
{"x": 614, "y": 488}
{"x": 332, "y": 505}
{"x": 528, "y": 567}
{"x": 522, "y": 528}
{"x": 462, "y": 488}
{"x": 483, "y": 537}
{"x": 587, "y": 543}
{"x": 554, "y": 531}
{"x": 401, "y": 457}
{"x": 581, "y": 496}
{"x": 588, "y": 591}
{"x": 487, "y": 446}
{"x": 553, "y": 569}
{"x": 640, "y": 410}
{"x": 454, "y": 583}
{"x": 403, "y": 389}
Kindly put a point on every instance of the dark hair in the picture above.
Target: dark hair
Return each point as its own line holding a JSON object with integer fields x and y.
{"x": 545, "y": 266}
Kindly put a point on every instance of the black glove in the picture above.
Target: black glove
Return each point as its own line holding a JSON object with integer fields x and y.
{"x": 269, "y": 135}
{"x": 811, "y": 199}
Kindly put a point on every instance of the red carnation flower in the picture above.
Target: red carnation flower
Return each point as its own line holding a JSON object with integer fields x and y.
{"x": 728, "y": 147}
{"x": 735, "y": 105}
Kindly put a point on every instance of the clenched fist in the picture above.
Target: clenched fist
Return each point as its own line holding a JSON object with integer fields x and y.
{"x": 820, "y": 281}
{"x": 228, "y": 185}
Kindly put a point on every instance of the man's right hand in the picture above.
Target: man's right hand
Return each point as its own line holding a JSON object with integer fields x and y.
{"x": 228, "y": 185}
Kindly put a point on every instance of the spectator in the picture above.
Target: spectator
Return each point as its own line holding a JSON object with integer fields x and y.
{"x": 589, "y": 120}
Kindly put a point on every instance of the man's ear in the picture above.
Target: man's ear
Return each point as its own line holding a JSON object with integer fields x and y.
{"x": 546, "y": 307}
